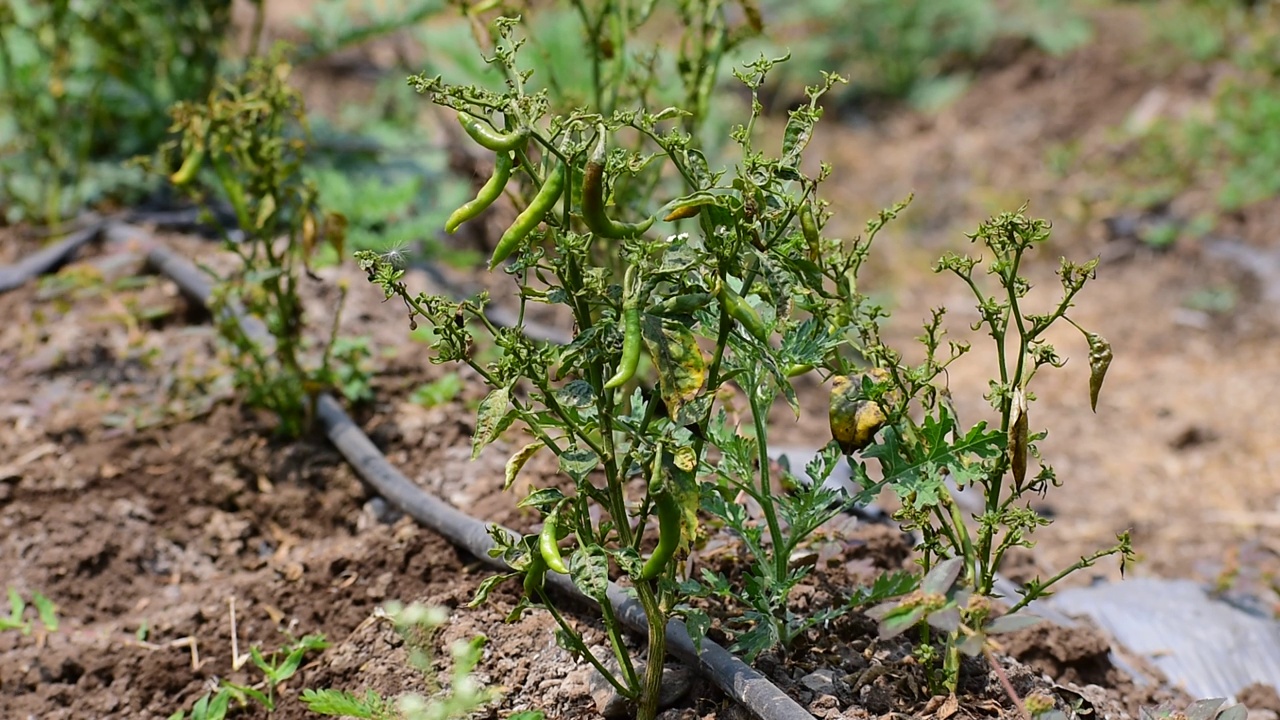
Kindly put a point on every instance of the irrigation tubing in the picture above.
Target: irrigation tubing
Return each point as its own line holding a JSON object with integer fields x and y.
{"x": 735, "y": 678}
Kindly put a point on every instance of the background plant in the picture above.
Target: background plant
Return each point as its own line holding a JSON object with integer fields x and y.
{"x": 909, "y": 49}
{"x": 247, "y": 135}
{"x": 86, "y": 85}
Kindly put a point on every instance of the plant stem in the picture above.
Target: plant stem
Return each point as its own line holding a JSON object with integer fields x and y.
{"x": 652, "y": 691}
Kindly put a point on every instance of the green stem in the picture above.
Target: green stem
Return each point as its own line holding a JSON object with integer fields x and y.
{"x": 652, "y": 691}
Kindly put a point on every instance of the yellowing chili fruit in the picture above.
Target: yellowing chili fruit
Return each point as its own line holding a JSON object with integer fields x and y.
{"x": 668, "y": 536}
{"x": 190, "y": 166}
{"x": 548, "y": 546}
{"x": 854, "y": 419}
{"x": 526, "y": 221}
{"x": 491, "y": 139}
{"x": 593, "y": 212}
{"x": 489, "y": 192}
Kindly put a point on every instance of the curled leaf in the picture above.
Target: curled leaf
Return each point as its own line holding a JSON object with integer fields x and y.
{"x": 517, "y": 461}
{"x": 1099, "y": 360}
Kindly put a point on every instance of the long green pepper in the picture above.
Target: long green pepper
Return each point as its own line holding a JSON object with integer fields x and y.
{"x": 489, "y": 192}
{"x": 526, "y": 221}
{"x": 630, "y": 359}
{"x": 668, "y": 536}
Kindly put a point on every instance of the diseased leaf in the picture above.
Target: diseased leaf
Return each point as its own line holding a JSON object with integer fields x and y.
{"x": 697, "y": 623}
{"x": 681, "y": 368}
{"x": 589, "y": 569}
{"x": 492, "y": 418}
{"x": 517, "y": 461}
{"x": 577, "y": 394}
{"x": 947, "y": 619}
{"x": 942, "y": 576}
{"x": 898, "y": 620}
{"x": 578, "y": 463}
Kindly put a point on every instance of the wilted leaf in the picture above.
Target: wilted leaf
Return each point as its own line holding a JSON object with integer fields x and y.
{"x": 492, "y": 418}
{"x": 517, "y": 461}
{"x": 681, "y": 368}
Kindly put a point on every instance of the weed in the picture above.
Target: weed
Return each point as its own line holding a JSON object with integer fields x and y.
{"x": 417, "y": 625}
{"x": 438, "y": 392}
{"x": 912, "y": 49}
{"x": 46, "y": 613}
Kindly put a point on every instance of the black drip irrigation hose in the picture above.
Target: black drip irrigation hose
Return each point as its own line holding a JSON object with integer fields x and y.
{"x": 735, "y": 678}
{"x": 47, "y": 259}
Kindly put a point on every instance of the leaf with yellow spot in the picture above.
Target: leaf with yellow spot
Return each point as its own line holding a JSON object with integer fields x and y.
{"x": 681, "y": 368}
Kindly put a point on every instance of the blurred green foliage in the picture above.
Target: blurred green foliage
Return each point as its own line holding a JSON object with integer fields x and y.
{"x": 87, "y": 84}
{"x": 921, "y": 51}
{"x": 1230, "y": 144}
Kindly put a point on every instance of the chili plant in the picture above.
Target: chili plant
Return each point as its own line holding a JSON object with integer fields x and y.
{"x": 247, "y": 132}
{"x": 924, "y": 452}
{"x": 747, "y": 273}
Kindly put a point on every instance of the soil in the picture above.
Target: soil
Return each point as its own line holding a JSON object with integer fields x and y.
{"x": 140, "y": 496}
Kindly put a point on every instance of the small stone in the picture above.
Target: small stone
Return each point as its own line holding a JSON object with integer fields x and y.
{"x": 821, "y": 682}
{"x": 676, "y": 681}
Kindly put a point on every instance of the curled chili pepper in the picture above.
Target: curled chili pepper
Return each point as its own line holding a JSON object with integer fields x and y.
{"x": 526, "y": 221}
{"x": 489, "y": 192}
{"x": 491, "y": 139}
{"x": 593, "y": 212}
{"x": 190, "y": 166}
{"x": 668, "y": 536}
{"x": 630, "y": 359}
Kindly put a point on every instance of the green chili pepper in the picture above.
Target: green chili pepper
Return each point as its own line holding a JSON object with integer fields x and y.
{"x": 668, "y": 536}
{"x": 739, "y": 309}
{"x": 532, "y": 215}
{"x": 630, "y": 359}
{"x": 535, "y": 576}
{"x": 796, "y": 370}
{"x": 490, "y": 192}
{"x": 593, "y": 213}
{"x": 682, "y": 304}
{"x": 809, "y": 228}
{"x": 190, "y": 166}
{"x": 491, "y": 139}
{"x": 548, "y": 546}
